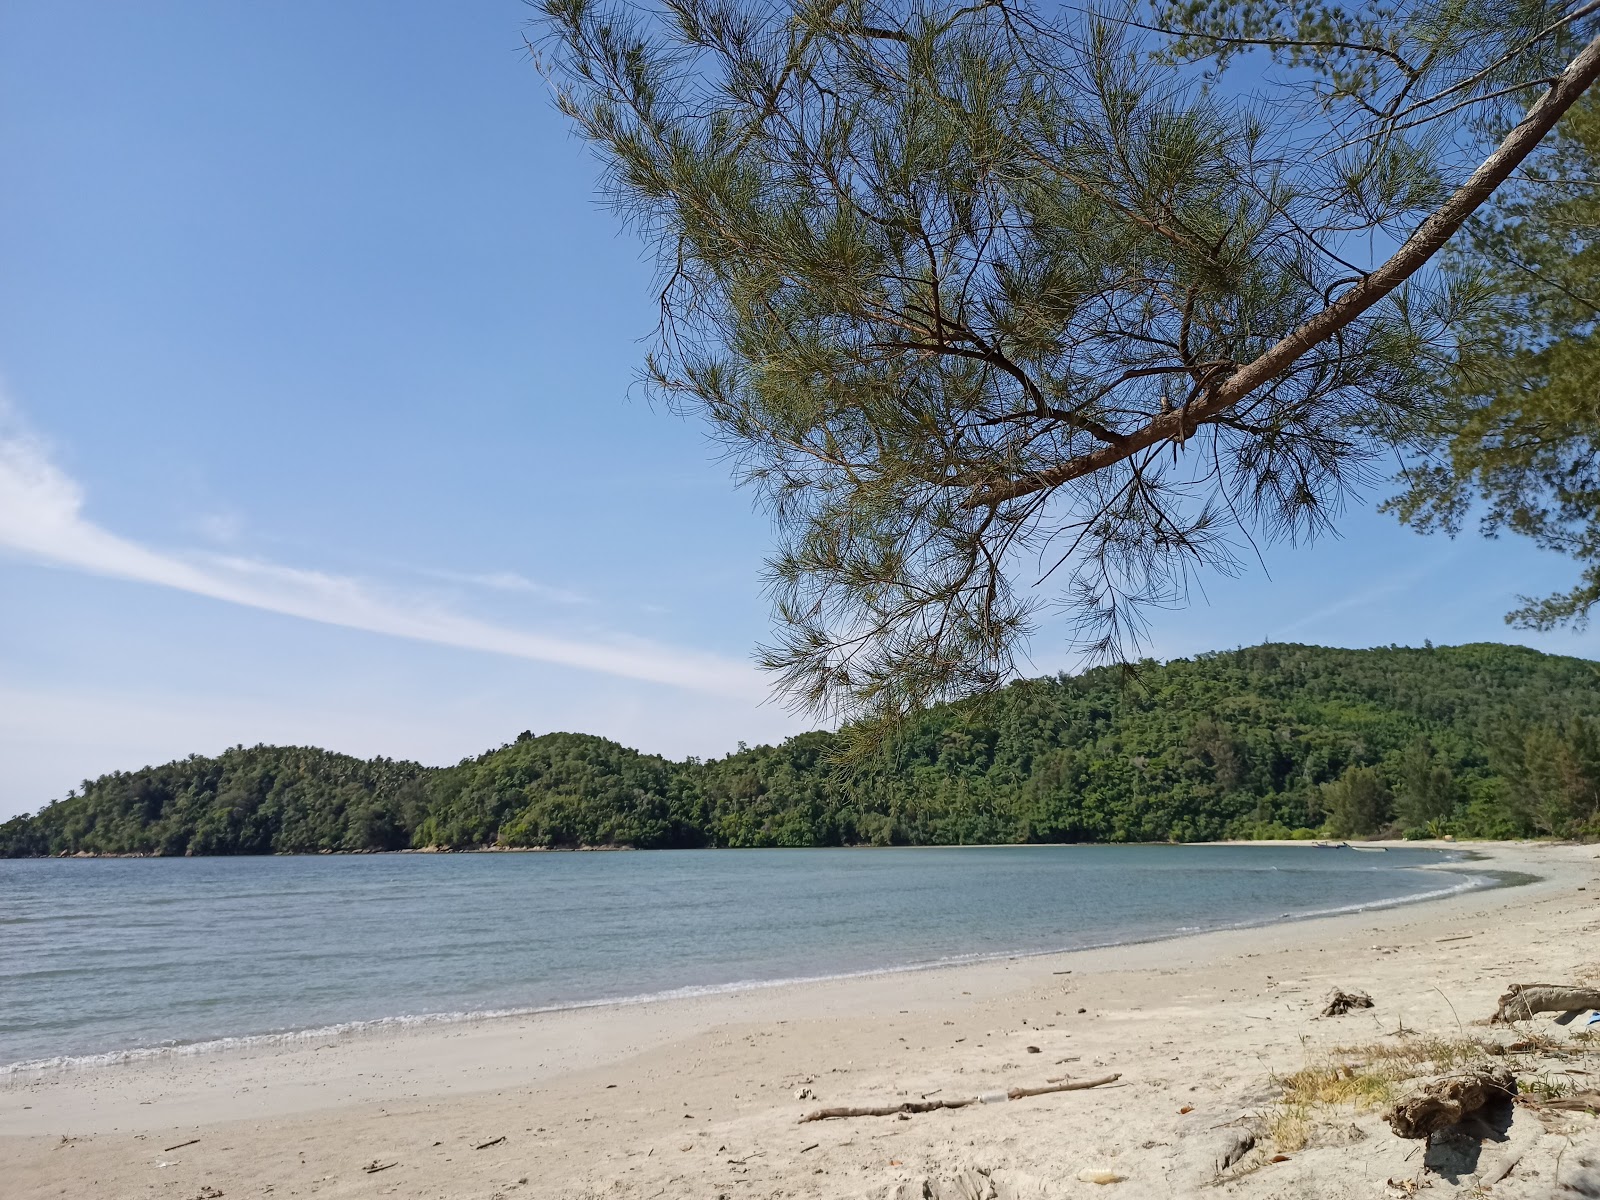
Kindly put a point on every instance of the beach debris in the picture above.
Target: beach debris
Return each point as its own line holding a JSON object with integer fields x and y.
{"x": 1341, "y": 1002}
{"x": 491, "y": 1142}
{"x": 971, "y": 1182}
{"x": 1588, "y": 1102}
{"x": 1034, "y": 1050}
{"x": 1526, "y": 999}
{"x": 181, "y": 1145}
{"x": 803, "y": 1094}
{"x": 1204, "y": 1154}
{"x": 1444, "y": 1101}
{"x": 808, "y": 1149}
{"x": 923, "y": 1106}
{"x": 968, "y": 1183}
{"x": 1583, "y": 1179}
{"x": 1524, "y": 1135}
{"x": 373, "y": 1167}
{"x": 1099, "y": 1175}
{"x": 1229, "y": 1149}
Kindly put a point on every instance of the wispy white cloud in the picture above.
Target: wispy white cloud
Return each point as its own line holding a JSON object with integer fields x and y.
{"x": 221, "y": 527}
{"x": 1367, "y": 596}
{"x": 42, "y": 518}
{"x": 507, "y": 581}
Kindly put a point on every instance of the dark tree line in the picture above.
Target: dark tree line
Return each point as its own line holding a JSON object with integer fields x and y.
{"x": 1276, "y": 740}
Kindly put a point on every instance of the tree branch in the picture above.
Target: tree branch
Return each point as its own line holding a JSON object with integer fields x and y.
{"x": 1425, "y": 241}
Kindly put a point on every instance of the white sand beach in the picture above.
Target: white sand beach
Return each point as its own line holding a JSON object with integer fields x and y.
{"x": 703, "y": 1097}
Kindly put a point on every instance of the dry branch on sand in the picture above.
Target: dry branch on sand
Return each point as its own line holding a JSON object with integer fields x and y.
{"x": 1588, "y": 1102}
{"x": 1524, "y": 1000}
{"x": 922, "y": 1106}
{"x": 1446, "y": 1100}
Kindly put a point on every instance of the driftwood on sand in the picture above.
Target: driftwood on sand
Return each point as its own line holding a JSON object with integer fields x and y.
{"x": 1446, "y": 1100}
{"x": 1341, "y": 1002}
{"x": 1524, "y": 1000}
{"x": 923, "y": 1106}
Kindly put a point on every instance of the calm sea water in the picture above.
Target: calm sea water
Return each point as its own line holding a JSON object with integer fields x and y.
{"x": 104, "y": 957}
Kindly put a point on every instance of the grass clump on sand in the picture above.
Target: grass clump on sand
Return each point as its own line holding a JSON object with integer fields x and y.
{"x": 1362, "y": 1078}
{"x": 1545, "y": 1087}
{"x": 1374, "y": 1075}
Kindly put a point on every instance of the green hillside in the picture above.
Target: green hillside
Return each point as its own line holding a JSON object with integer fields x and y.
{"x": 1276, "y": 740}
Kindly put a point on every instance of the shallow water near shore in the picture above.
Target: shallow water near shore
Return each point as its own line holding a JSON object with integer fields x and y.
{"x": 102, "y": 960}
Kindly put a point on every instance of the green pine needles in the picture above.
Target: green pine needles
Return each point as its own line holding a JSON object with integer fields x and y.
{"x": 1514, "y": 441}
{"x": 1000, "y": 308}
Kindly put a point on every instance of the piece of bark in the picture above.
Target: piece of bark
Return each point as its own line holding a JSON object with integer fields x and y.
{"x": 1341, "y": 1002}
{"x": 923, "y": 1106}
{"x": 1524, "y": 1000}
{"x": 1445, "y": 1100}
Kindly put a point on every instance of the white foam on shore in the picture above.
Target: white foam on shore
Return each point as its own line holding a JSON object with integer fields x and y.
{"x": 288, "y": 1039}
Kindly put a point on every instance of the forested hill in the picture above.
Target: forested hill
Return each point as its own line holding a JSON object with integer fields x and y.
{"x": 1276, "y": 740}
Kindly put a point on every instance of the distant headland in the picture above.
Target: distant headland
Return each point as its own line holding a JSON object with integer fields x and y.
{"x": 1282, "y": 741}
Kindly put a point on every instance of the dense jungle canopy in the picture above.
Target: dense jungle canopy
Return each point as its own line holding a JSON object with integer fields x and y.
{"x": 1270, "y": 741}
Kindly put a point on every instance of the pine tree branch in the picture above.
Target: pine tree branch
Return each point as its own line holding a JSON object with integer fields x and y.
{"x": 1422, "y": 245}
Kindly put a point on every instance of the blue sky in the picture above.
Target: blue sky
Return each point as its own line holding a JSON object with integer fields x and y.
{"x": 316, "y": 424}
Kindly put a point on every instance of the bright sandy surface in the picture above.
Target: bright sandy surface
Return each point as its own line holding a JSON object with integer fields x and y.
{"x": 700, "y": 1097}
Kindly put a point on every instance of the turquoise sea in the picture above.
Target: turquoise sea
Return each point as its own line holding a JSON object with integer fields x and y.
{"x": 106, "y": 959}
